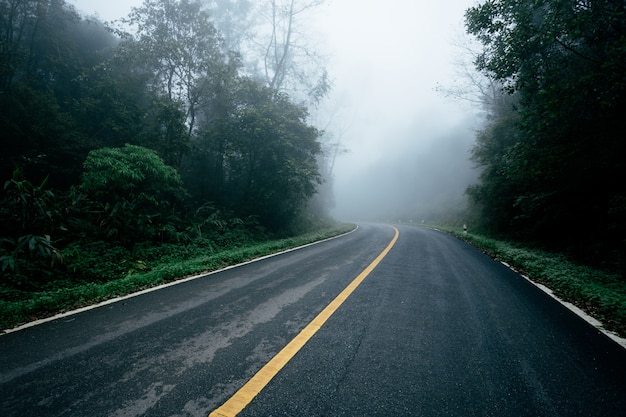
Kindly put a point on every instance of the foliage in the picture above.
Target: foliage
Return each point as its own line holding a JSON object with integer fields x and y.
{"x": 70, "y": 86}
{"x": 266, "y": 155}
{"x": 178, "y": 44}
{"x": 44, "y": 48}
{"x": 550, "y": 175}
{"x": 30, "y": 215}
{"x": 494, "y": 150}
{"x": 123, "y": 272}
{"x": 600, "y": 293}
{"x": 273, "y": 165}
{"x": 109, "y": 104}
{"x": 135, "y": 193}
{"x": 106, "y": 125}
{"x": 180, "y": 49}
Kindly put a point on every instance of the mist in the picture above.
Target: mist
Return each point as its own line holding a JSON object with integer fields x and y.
{"x": 407, "y": 147}
{"x": 417, "y": 179}
{"x": 400, "y": 150}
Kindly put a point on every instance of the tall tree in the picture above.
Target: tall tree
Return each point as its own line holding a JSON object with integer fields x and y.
{"x": 269, "y": 155}
{"x": 567, "y": 60}
{"x": 42, "y": 55}
{"x": 286, "y": 48}
{"x": 234, "y": 19}
{"x": 275, "y": 45}
{"x": 177, "y": 45}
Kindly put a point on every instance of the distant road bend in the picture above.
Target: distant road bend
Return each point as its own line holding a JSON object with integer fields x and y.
{"x": 383, "y": 321}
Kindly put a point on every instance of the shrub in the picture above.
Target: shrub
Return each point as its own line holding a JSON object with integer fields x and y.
{"x": 136, "y": 194}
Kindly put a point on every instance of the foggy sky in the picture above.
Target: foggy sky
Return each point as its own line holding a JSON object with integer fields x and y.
{"x": 407, "y": 146}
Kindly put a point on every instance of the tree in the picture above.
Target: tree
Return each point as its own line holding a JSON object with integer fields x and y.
{"x": 176, "y": 45}
{"x": 477, "y": 87}
{"x": 273, "y": 41}
{"x": 108, "y": 105}
{"x": 58, "y": 96}
{"x": 234, "y": 19}
{"x": 269, "y": 155}
{"x": 37, "y": 63}
{"x": 567, "y": 61}
{"x": 495, "y": 195}
{"x": 288, "y": 63}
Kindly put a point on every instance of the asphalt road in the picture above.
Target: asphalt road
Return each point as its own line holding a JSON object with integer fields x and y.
{"x": 436, "y": 329}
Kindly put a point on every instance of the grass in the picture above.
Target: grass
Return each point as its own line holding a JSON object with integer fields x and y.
{"x": 601, "y": 294}
{"x": 19, "y": 307}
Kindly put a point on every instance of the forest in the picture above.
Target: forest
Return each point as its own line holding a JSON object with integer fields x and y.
{"x": 159, "y": 135}
{"x": 120, "y": 140}
{"x": 552, "y": 154}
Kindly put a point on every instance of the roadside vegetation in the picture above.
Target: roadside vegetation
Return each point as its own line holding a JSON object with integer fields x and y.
{"x": 549, "y": 77}
{"x": 135, "y": 156}
{"x": 554, "y": 99}
{"x": 600, "y": 293}
{"x": 99, "y": 272}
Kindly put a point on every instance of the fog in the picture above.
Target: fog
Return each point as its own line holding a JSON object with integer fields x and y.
{"x": 407, "y": 145}
{"x": 404, "y": 146}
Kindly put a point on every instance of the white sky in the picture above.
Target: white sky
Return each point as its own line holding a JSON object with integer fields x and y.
{"x": 385, "y": 58}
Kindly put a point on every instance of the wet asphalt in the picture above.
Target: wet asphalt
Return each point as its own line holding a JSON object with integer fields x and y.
{"x": 437, "y": 329}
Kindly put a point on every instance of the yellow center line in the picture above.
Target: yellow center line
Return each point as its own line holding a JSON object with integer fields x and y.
{"x": 253, "y": 387}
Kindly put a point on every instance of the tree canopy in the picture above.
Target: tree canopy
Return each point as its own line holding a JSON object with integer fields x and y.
{"x": 552, "y": 162}
{"x": 140, "y": 133}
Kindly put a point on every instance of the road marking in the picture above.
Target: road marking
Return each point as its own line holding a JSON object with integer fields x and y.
{"x": 163, "y": 286}
{"x": 592, "y": 321}
{"x": 255, "y": 385}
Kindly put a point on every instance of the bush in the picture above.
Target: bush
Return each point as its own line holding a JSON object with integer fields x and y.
{"x": 136, "y": 194}
{"x": 29, "y": 215}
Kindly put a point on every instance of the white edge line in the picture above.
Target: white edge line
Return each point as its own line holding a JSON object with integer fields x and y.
{"x": 160, "y": 287}
{"x": 573, "y": 308}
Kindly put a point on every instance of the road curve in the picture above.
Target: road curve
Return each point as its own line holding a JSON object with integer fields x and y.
{"x": 436, "y": 329}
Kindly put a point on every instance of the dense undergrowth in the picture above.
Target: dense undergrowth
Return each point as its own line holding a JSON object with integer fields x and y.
{"x": 601, "y": 294}
{"x": 100, "y": 271}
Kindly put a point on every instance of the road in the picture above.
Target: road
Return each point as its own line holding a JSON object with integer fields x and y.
{"x": 435, "y": 329}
